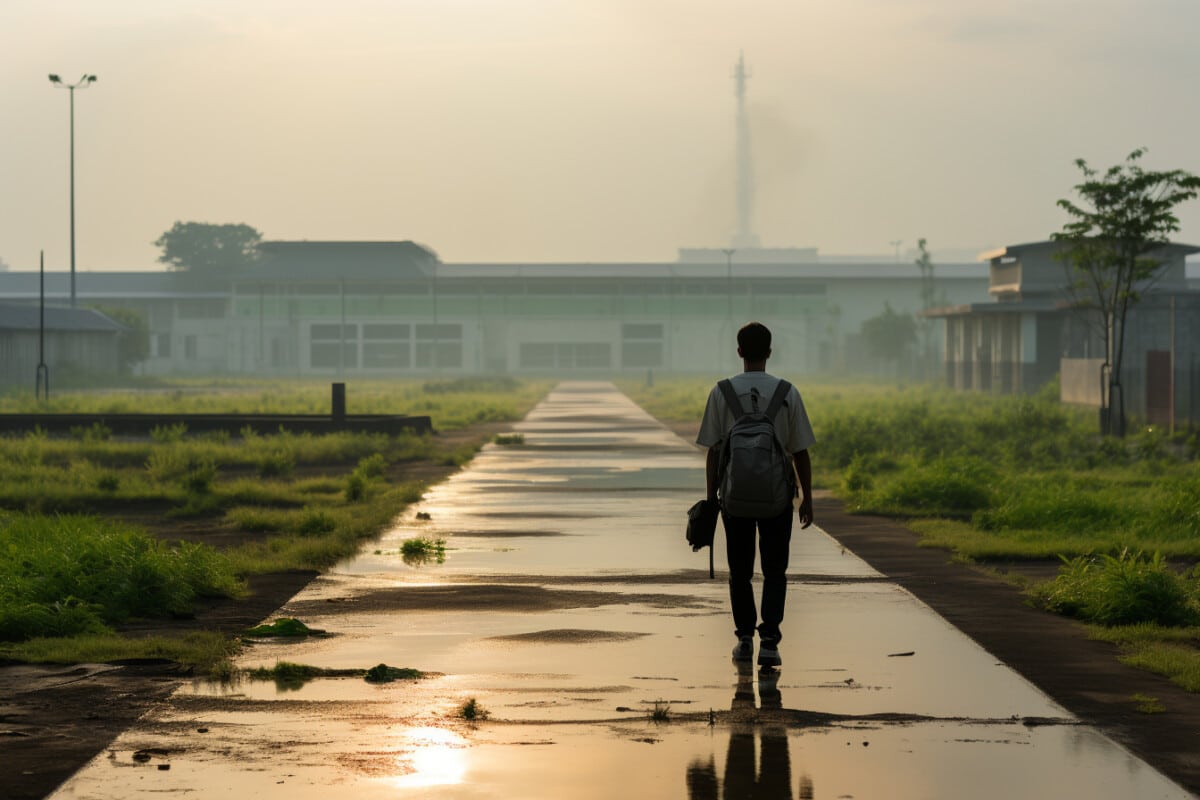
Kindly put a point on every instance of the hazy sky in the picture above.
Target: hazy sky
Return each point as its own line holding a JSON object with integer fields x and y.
{"x": 581, "y": 130}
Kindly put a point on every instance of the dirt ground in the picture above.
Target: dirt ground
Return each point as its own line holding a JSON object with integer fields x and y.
{"x": 52, "y": 720}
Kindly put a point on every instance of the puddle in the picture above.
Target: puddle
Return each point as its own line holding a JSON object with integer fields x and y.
{"x": 569, "y": 608}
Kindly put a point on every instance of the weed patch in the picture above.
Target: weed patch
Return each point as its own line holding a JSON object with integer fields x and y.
{"x": 68, "y": 575}
{"x": 289, "y": 627}
{"x": 1128, "y": 589}
{"x": 472, "y": 711}
{"x": 382, "y": 673}
{"x": 509, "y": 439}
{"x": 423, "y": 550}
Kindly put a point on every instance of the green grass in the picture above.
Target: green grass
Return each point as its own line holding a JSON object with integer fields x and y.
{"x": 205, "y": 652}
{"x": 283, "y": 627}
{"x": 1173, "y": 652}
{"x": 69, "y": 575}
{"x": 66, "y": 574}
{"x": 1009, "y": 477}
{"x": 451, "y": 403}
{"x": 1129, "y": 589}
{"x": 422, "y": 550}
{"x": 1147, "y": 704}
{"x": 509, "y": 439}
{"x": 999, "y": 476}
{"x": 382, "y": 673}
{"x": 289, "y": 676}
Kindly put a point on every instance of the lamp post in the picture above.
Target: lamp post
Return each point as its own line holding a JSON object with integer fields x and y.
{"x": 82, "y": 83}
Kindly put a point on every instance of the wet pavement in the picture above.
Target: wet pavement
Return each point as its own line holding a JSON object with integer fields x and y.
{"x": 569, "y": 608}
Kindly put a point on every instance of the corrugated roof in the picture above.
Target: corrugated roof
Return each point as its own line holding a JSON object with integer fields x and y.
{"x": 15, "y": 317}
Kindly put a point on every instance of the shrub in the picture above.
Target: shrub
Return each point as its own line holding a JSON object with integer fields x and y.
{"x": 1122, "y": 590}
{"x": 356, "y": 487}
{"x": 199, "y": 477}
{"x": 949, "y": 487}
{"x": 78, "y": 574}
{"x": 96, "y": 432}
{"x": 315, "y": 521}
{"x": 472, "y": 711}
{"x": 373, "y": 466}
{"x": 277, "y": 463}
{"x": 165, "y": 434}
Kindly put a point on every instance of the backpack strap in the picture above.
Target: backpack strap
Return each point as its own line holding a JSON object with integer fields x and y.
{"x": 781, "y": 393}
{"x": 731, "y": 399}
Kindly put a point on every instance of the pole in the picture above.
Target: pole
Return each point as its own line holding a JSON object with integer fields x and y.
{"x": 42, "y": 382}
{"x": 85, "y": 81}
{"x": 72, "y": 93}
{"x": 1171, "y": 386}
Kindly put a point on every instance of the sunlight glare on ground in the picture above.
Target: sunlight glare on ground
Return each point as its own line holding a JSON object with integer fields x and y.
{"x": 438, "y": 758}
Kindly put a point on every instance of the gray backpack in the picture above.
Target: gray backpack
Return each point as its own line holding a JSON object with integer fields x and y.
{"x": 757, "y": 478}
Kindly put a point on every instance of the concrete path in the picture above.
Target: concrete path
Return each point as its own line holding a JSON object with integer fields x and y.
{"x": 570, "y": 609}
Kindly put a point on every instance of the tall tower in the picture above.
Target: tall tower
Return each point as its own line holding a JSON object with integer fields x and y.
{"x": 745, "y": 236}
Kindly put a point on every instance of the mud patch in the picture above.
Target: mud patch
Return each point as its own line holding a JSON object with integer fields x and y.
{"x": 570, "y": 636}
{"x": 480, "y": 597}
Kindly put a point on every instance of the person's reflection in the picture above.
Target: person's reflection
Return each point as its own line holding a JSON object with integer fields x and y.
{"x": 747, "y": 774}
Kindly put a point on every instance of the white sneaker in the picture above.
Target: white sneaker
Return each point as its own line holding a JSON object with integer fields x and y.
{"x": 744, "y": 649}
{"x": 768, "y": 655}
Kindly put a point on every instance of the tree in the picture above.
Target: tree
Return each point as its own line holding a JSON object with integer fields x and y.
{"x": 889, "y": 335}
{"x": 206, "y": 249}
{"x": 1113, "y": 253}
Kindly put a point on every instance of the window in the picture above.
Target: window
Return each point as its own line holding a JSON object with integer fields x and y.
{"x": 439, "y": 345}
{"x": 189, "y": 346}
{"x": 333, "y": 346}
{"x": 387, "y": 346}
{"x": 163, "y": 345}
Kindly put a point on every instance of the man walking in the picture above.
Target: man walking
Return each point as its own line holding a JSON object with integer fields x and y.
{"x": 755, "y": 390}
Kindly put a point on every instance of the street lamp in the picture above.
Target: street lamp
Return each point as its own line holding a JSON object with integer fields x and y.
{"x": 82, "y": 83}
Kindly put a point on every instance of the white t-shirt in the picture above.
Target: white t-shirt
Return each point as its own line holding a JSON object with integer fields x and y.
{"x": 791, "y": 423}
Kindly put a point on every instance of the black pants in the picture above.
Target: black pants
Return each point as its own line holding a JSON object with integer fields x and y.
{"x": 774, "y": 537}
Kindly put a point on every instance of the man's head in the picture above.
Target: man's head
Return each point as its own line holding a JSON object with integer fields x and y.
{"x": 754, "y": 342}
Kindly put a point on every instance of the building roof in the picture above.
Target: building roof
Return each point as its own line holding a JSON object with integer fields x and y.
{"x": 335, "y": 260}
{"x": 663, "y": 270}
{"x": 95, "y": 286}
{"x": 1017, "y": 250}
{"x": 368, "y": 263}
{"x": 17, "y": 317}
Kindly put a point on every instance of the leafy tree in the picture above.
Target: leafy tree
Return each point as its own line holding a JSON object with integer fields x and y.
{"x": 203, "y": 248}
{"x": 1112, "y": 251}
{"x": 889, "y": 335}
